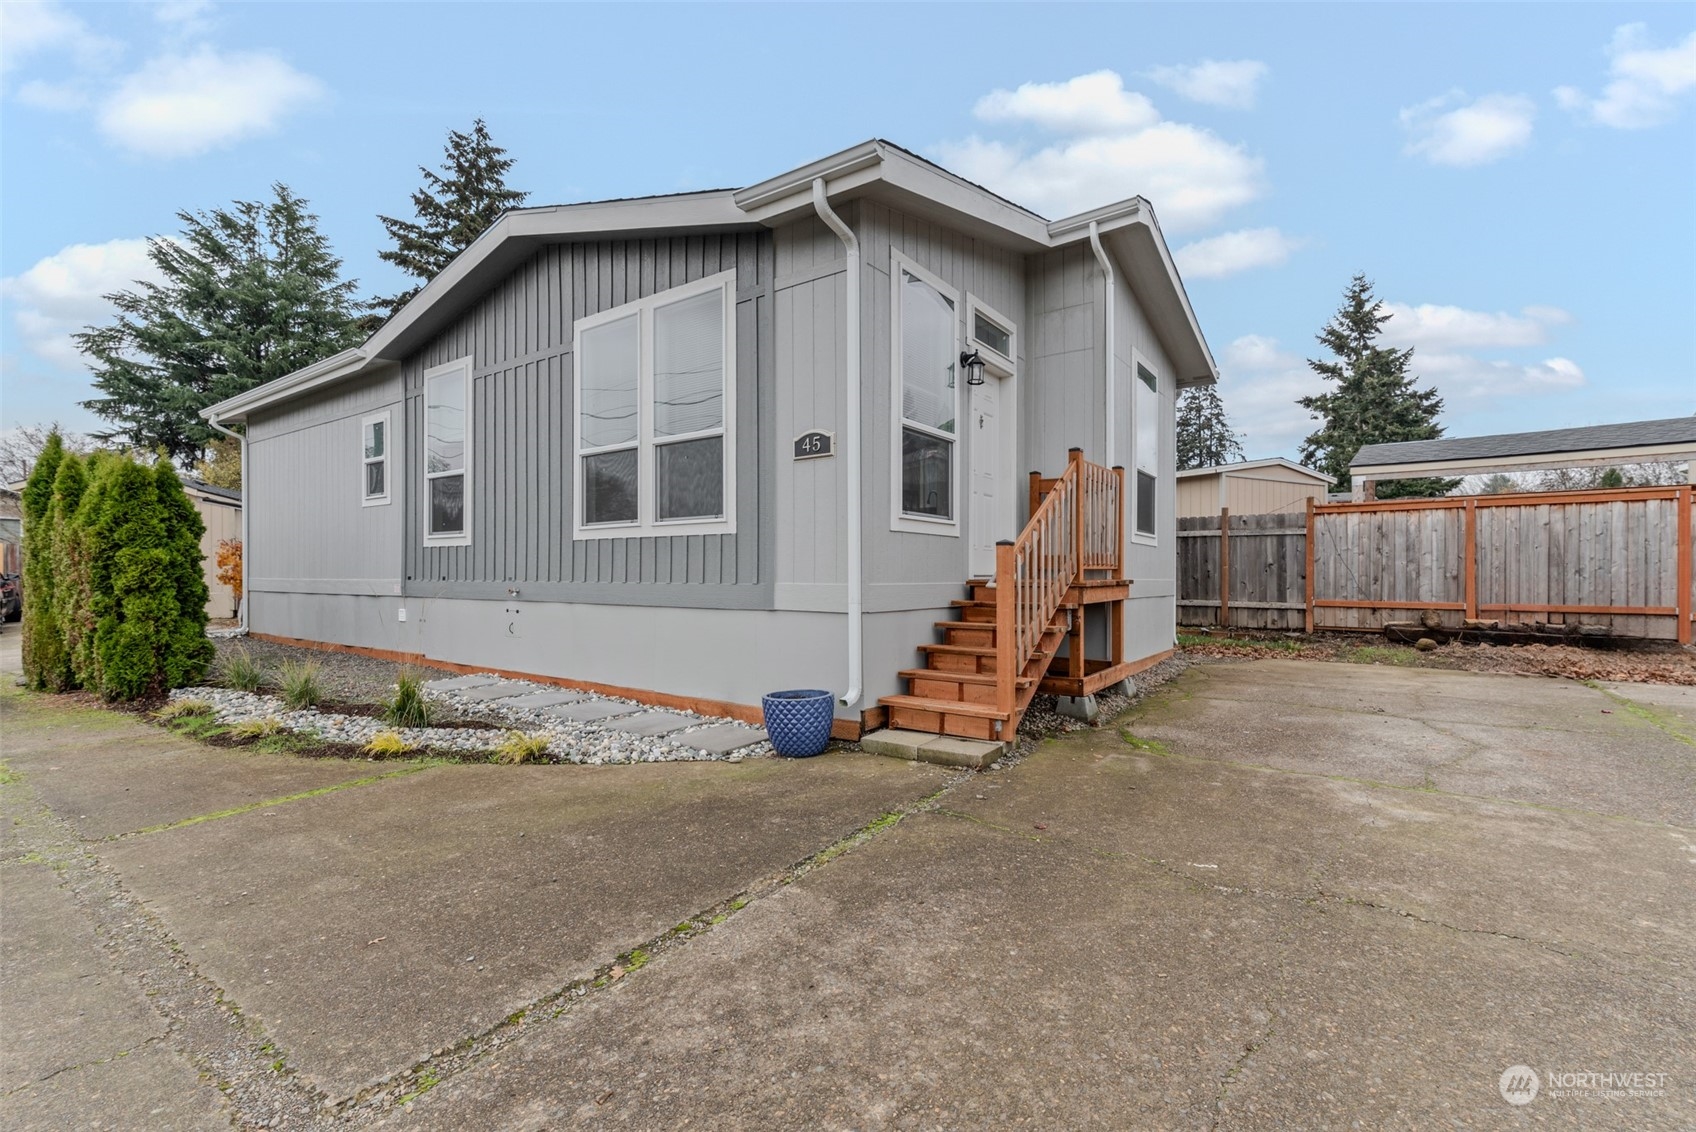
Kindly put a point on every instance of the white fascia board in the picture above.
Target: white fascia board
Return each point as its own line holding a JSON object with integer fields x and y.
{"x": 756, "y": 201}
{"x": 558, "y": 222}
{"x": 1250, "y": 465}
{"x": 1543, "y": 461}
{"x": 333, "y": 368}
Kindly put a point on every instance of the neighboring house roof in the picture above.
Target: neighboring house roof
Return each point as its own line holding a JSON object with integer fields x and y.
{"x": 874, "y": 169}
{"x": 1628, "y": 442}
{"x": 223, "y": 494}
{"x": 1250, "y": 465}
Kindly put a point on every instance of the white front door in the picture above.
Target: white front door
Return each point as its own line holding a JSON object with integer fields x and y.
{"x": 988, "y": 479}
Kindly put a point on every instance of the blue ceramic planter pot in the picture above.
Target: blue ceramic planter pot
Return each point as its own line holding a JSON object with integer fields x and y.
{"x": 798, "y": 721}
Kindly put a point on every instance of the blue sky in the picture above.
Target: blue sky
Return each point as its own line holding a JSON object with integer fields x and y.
{"x": 1519, "y": 180}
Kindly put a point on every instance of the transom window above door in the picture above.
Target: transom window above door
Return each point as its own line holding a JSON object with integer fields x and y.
{"x": 654, "y": 442}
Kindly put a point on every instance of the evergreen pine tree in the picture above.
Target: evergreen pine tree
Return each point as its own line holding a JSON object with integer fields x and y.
{"x": 1205, "y": 436}
{"x": 1373, "y": 400}
{"x": 452, "y": 209}
{"x": 45, "y": 665}
{"x": 250, "y": 293}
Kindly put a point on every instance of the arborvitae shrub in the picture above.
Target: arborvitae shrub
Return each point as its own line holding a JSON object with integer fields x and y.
{"x": 189, "y": 655}
{"x": 45, "y": 664}
{"x": 71, "y": 597}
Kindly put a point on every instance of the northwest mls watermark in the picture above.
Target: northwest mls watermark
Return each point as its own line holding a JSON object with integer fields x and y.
{"x": 1521, "y": 1084}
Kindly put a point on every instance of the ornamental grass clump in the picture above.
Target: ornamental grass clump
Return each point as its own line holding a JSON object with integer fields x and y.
{"x": 408, "y": 707}
{"x": 387, "y": 744}
{"x": 178, "y": 709}
{"x": 242, "y": 672}
{"x": 256, "y": 728}
{"x": 519, "y": 747}
{"x": 299, "y": 683}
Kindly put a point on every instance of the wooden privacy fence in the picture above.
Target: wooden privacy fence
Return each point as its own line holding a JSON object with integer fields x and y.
{"x": 1617, "y": 559}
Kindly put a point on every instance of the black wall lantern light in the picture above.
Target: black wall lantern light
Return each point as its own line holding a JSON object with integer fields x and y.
{"x": 972, "y": 363}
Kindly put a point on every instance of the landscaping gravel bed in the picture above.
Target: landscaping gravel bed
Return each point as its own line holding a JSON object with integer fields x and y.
{"x": 569, "y": 741}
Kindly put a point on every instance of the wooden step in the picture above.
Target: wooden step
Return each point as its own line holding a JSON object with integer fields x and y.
{"x": 963, "y": 687}
{"x": 976, "y": 611}
{"x": 949, "y": 717}
{"x": 965, "y": 677}
{"x": 967, "y": 633}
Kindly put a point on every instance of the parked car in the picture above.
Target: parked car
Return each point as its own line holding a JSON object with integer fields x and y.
{"x": 11, "y": 596}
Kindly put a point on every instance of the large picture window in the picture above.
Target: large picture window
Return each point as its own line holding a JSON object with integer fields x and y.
{"x": 654, "y": 415}
{"x": 447, "y": 451}
{"x": 1147, "y": 423}
{"x": 927, "y": 400}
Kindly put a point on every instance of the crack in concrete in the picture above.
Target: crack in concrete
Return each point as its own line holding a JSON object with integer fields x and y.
{"x": 398, "y": 1090}
{"x": 145, "y": 1042}
{"x": 1647, "y": 714}
{"x": 237, "y": 811}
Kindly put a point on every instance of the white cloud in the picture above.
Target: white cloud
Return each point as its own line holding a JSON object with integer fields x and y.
{"x": 1260, "y": 383}
{"x": 1088, "y": 104}
{"x": 1215, "y": 82}
{"x": 70, "y": 95}
{"x": 1471, "y": 134}
{"x": 1430, "y": 326}
{"x": 1115, "y": 145}
{"x": 1464, "y": 378}
{"x": 36, "y": 27}
{"x": 184, "y": 18}
{"x": 61, "y": 294}
{"x": 1231, "y": 252}
{"x": 1646, "y": 81}
{"x": 182, "y": 105}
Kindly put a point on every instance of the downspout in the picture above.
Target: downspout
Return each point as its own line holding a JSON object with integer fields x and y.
{"x": 241, "y": 606}
{"x": 1108, "y": 318}
{"x": 850, "y": 448}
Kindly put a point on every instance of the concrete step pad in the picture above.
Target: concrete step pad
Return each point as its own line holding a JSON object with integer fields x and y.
{"x": 456, "y": 683}
{"x": 944, "y": 750}
{"x": 722, "y": 737}
{"x": 590, "y": 710}
{"x": 545, "y": 699}
{"x": 654, "y": 723}
{"x": 500, "y": 690}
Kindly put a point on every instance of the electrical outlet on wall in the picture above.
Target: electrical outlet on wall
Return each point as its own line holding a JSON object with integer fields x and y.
{"x": 403, "y": 613}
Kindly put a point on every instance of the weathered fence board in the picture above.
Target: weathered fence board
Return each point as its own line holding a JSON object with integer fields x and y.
{"x": 1617, "y": 559}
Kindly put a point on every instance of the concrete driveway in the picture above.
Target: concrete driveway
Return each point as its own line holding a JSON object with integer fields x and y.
{"x": 1288, "y": 895}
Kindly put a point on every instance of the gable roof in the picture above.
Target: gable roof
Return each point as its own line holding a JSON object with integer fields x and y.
{"x": 875, "y": 169}
{"x": 1644, "y": 439}
{"x": 1249, "y": 465}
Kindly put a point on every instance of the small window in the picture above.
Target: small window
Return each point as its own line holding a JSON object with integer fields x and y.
{"x": 991, "y": 334}
{"x": 926, "y": 401}
{"x": 1147, "y": 424}
{"x": 374, "y": 443}
{"x": 654, "y": 422}
{"x": 447, "y": 445}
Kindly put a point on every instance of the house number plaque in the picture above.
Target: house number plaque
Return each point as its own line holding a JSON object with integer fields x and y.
{"x": 810, "y": 445}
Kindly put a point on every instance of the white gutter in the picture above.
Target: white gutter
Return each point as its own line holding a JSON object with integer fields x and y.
{"x": 241, "y": 438}
{"x": 850, "y": 448}
{"x": 1109, "y": 315}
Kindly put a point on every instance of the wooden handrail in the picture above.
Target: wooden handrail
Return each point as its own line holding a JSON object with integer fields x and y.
{"x": 1078, "y": 525}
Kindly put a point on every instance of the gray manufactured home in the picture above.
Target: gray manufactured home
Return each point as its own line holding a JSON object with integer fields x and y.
{"x": 864, "y": 426}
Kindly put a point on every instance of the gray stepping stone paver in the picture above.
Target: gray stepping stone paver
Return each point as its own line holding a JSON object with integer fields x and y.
{"x": 455, "y": 683}
{"x": 544, "y": 699}
{"x": 723, "y": 737}
{"x": 589, "y": 711}
{"x": 654, "y": 723}
{"x": 503, "y": 690}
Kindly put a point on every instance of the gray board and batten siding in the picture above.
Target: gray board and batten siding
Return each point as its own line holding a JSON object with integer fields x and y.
{"x": 522, "y": 478}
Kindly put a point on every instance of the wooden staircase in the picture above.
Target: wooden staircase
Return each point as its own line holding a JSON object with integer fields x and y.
{"x": 995, "y": 655}
{"x": 956, "y": 692}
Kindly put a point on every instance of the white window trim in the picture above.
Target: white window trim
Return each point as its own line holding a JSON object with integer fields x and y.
{"x": 462, "y": 366}
{"x": 646, "y": 523}
{"x": 997, "y": 363}
{"x": 365, "y": 461}
{"x": 900, "y": 520}
{"x": 1140, "y": 361}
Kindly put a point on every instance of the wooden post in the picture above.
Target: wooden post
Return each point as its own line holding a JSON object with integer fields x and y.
{"x": 1684, "y": 564}
{"x": 1471, "y": 565}
{"x": 1006, "y": 626}
{"x": 1036, "y": 495}
{"x": 1075, "y": 458}
{"x": 1119, "y": 554}
{"x": 1309, "y": 619}
{"x": 1224, "y": 567}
